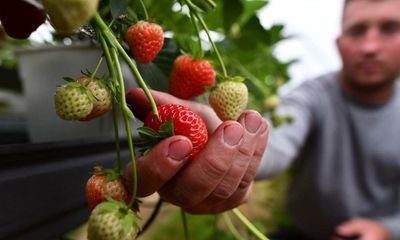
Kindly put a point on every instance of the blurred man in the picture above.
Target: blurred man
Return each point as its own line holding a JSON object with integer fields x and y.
{"x": 343, "y": 144}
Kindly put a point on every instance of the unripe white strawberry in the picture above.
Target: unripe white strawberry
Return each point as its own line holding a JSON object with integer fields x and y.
{"x": 229, "y": 99}
{"x": 72, "y": 101}
{"x": 271, "y": 102}
{"x": 110, "y": 221}
{"x": 102, "y": 94}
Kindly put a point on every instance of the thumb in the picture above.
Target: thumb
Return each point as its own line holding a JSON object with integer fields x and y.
{"x": 159, "y": 165}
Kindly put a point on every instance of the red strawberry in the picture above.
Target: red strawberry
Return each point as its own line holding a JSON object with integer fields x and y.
{"x": 105, "y": 183}
{"x": 145, "y": 40}
{"x": 185, "y": 122}
{"x": 189, "y": 77}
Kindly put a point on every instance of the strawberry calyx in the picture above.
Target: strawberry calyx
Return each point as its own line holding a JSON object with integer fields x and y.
{"x": 129, "y": 218}
{"x": 111, "y": 174}
{"x": 149, "y": 138}
{"x": 75, "y": 84}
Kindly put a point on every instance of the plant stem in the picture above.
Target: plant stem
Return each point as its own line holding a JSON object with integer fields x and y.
{"x": 204, "y": 25}
{"x": 185, "y": 225}
{"x": 197, "y": 30}
{"x": 111, "y": 71}
{"x": 97, "y": 68}
{"x": 146, "y": 15}
{"x": 112, "y": 41}
{"x": 117, "y": 164}
{"x": 127, "y": 124}
{"x": 249, "y": 225}
{"x": 231, "y": 227}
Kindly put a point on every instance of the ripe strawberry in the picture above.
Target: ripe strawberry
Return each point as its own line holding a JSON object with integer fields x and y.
{"x": 184, "y": 122}
{"x": 67, "y": 16}
{"x": 189, "y": 77}
{"x": 73, "y": 101}
{"x": 229, "y": 99}
{"x": 101, "y": 92}
{"x": 112, "y": 221}
{"x": 145, "y": 40}
{"x": 105, "y": 183}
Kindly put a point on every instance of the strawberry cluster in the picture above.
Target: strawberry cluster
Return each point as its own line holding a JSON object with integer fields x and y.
{"x": 82, "y": 99}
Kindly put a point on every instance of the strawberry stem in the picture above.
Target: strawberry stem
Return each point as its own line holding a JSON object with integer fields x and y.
{"x": 204, "y": 25}
{"x": 106, "y": 51}
{"x": 112, "y": 41}
{"x": 127, "y": 124}
{"x": 199, "y": 53}
{"x": 185, "y": 225}
{"x": 248, "y": 224}
{"x": 231, "y": 227}
{"x": 97, "y": 68}
{"x": 146, "y": 15}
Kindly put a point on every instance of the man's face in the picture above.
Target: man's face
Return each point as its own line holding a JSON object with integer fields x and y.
{"x": 370, "y": 42}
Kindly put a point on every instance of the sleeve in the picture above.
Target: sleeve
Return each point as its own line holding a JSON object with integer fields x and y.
{"x": 285, "y": 141}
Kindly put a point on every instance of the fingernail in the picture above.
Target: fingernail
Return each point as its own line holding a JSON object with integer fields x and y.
{"x": 179, "y": 150}
{"x": 233, "y": 133}
{"x": 252, "y": 122}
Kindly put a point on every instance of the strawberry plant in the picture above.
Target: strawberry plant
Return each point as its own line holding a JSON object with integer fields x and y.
{"x": 192, "y": 63}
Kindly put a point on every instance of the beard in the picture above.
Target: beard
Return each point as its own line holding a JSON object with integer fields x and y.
{"x": 361, "y": 81}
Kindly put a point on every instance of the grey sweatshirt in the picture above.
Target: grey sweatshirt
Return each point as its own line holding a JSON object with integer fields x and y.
{"x": 345, "y": 157}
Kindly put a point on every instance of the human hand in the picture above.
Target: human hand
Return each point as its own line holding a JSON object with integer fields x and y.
{"x": 219, "y": 178}
{"x": 364, "y": 229}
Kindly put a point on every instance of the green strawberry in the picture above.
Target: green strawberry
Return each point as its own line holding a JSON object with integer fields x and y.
{"x": 271, "y": 102}
{"x": 112, "y": 221}
{"x": 229, "y": 99}
{"x": 73, "y": 101}
{"x": 101, "y": 92}
{"x": 67, "y": 16}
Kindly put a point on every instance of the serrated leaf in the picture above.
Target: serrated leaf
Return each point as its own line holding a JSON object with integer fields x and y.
{"x": 108, "y": 206}
{"x": 237, "y": 79}
{"x": 69, "y": 79}
{"x": 147, "y": 132}
{"x": 128, "y": 222}
{"x": 167, "y": 128}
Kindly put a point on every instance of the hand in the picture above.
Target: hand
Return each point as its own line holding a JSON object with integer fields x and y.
{"x": 365, "y": 229}
{"x": 219, "y": 178}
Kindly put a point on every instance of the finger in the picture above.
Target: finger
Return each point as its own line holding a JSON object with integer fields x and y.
{"x": 352, "y": 227}
{"x": 262, "y": 140}
{"x": 240, "y": 175}
{"x": 159, "y": 165}
{"x": 140, "y": 106}
{"x": 207, "y": 169}
{"x": 240, "y": 197}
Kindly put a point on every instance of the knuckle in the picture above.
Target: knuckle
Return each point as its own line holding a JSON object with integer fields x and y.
{"x": 223, "y": 192}
{"x": 214, "y": 168}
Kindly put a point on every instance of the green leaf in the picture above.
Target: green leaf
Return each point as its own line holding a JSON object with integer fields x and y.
{"x": 108, "y": 206}
{"x": 250, "y": 9}
{"x": 168, "y": 128}
{"x": 69, "y": 79}
{"x": 156, "y": 73}
{"x": 128, "y": 222}
{"x": 147, "y": 132}
{"x": 232, "y": 10}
